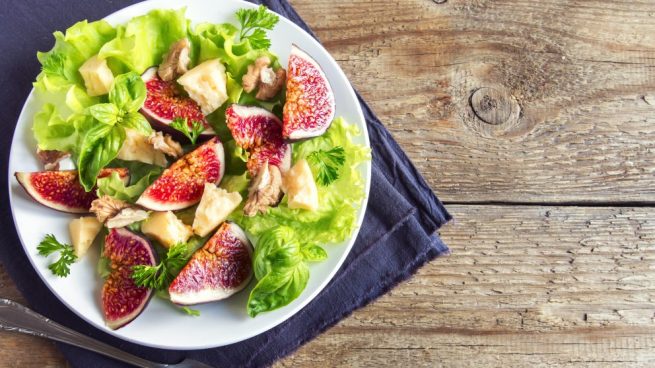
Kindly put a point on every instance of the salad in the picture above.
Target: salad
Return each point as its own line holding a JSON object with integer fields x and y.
{"x": 201, "y": 163}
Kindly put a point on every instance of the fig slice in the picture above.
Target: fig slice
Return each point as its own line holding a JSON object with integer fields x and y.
{"x": 122, "y": 300}
{"x": 61, "y": 190}
{"x": 260, "y": 133}
{"x": 164, "y": 103}
{"x": 181, "y": 184}
{"x": 310, "y": 106}
{"x": 221, "y": 268}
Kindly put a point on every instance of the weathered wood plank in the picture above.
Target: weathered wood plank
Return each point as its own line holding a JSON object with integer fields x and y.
{"x": 525, "y": 286}
{"x": 581, "y": 75}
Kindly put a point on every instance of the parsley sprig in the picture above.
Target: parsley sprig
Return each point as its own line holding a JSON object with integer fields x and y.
{"x": 327, "y": 164}
{"x": 53, "y": 65}
{"x": 190, "y": 131}
{"x": 254, "y": 23}
{"x": 160, "y": 276}
{"x": 50, "y": 245}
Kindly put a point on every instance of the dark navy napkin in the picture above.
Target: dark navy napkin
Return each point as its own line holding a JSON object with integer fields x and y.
{"x": 396, "y": 238}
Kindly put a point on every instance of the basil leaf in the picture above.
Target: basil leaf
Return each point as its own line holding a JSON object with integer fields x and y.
{"x": 105, "y": 113}
{"x": 276, "y": 249}
{"x": 128, "y": 92}
{"x": 312, "y": 253}
{"x": 100, "y": 145}
{"x": 278, "y": 288}
{"x": 136, "y": 121}
{"x": 272, "y": 258}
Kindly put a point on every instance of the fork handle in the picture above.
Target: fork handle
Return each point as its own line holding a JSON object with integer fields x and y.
{"x": 18, "y": 318}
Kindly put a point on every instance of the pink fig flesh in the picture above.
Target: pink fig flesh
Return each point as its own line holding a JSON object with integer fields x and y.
{"x": 259, "y": 132}
{"x": 310, "y": 107}
{"x": 122, "y": 300}
{"x": 221, "y": 268}
{"x": 61, "y": 190}
{"x": 164, "y": 103}
{"x": 181, "y": 185}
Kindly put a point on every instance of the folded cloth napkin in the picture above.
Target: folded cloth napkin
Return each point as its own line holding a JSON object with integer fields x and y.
{"x": 396, "y": 238}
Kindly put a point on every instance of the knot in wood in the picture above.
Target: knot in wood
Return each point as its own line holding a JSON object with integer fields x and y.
{"x": 491, "y": 105}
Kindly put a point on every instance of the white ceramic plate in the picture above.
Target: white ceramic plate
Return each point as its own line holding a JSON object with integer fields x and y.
{"x": 161, "y": 325}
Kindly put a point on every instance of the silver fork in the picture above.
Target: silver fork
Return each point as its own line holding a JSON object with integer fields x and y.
{"x": 18, "y": 318}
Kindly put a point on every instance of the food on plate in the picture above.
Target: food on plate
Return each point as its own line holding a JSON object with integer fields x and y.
{"x": 51, "y": 158}
{"x": 97, "y": 76}
{"x": 264, "y": 79}
{"x": 221, "y": 268}
{"x": 176, "y": 62}
{"x": 264, "y": 190}
{"x": 310, "y": 105}
{"x": 166, "y": 228}
{"x": 181, "y": 184}
{"x": 218, "y": 152}
{"x": 206, "y": 84}
{"x": 137, "y": 147}
{"x": 61, "y": 190}
{"x": 215, "y": 206}
{"x": 259, "y": 132}
{"x": 164, "y": 103}
{"x": 122, "y": 300}
{"x": 83, "y": 231}
{"x": 299, "y": 185}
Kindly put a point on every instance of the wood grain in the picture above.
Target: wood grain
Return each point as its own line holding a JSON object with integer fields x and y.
{"x": 525, "y": 286}
{"x": 582, "y": 73}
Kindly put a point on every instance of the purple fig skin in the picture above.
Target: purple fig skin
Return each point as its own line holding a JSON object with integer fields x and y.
{"x": 61, "y": 190}
{"x": 161, "y": 123}
{"x": 220, "y": 269}
{"x": 125, "y": 249}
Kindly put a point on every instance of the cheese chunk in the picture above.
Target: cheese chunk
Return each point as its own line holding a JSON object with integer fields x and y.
{"x": 215, "y": 205}
{"x": 136, "y": 147}
{"x": 206, "y": 84}
{"x": 166, "y": 228}
{"x": 83, "y": 231}
{"x": 299, "y": 185}
{"x": 97, "y": 76}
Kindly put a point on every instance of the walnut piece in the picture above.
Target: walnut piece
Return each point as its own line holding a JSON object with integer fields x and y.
{"x": 165, "y": 143}
{"x": 126, "y": 216}
{"x": 261, "y": 76}
{"x": 50, "y": 158}
{"x": 107, "y": 207}
{"x": 265, "y": 190}
{"x": 176, "y": 61}
{"x": 271, "y": 83}
{"x": 251, "y": 80}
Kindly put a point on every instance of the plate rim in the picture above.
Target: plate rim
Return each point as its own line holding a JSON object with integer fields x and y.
{"x": 363, "y": 127}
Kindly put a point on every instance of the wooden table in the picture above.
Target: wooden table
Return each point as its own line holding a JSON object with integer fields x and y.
{"x": 535, "y": 122}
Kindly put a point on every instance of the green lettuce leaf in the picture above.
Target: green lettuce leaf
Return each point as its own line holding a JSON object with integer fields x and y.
{"x": 59, "y": 66}
{"x": 211, "y": 41}
{"x": 143, "y": 41}
{"x": 52, "y": 132}
{"x": 336, "y": 217}
{"x": 114, "y": 186}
